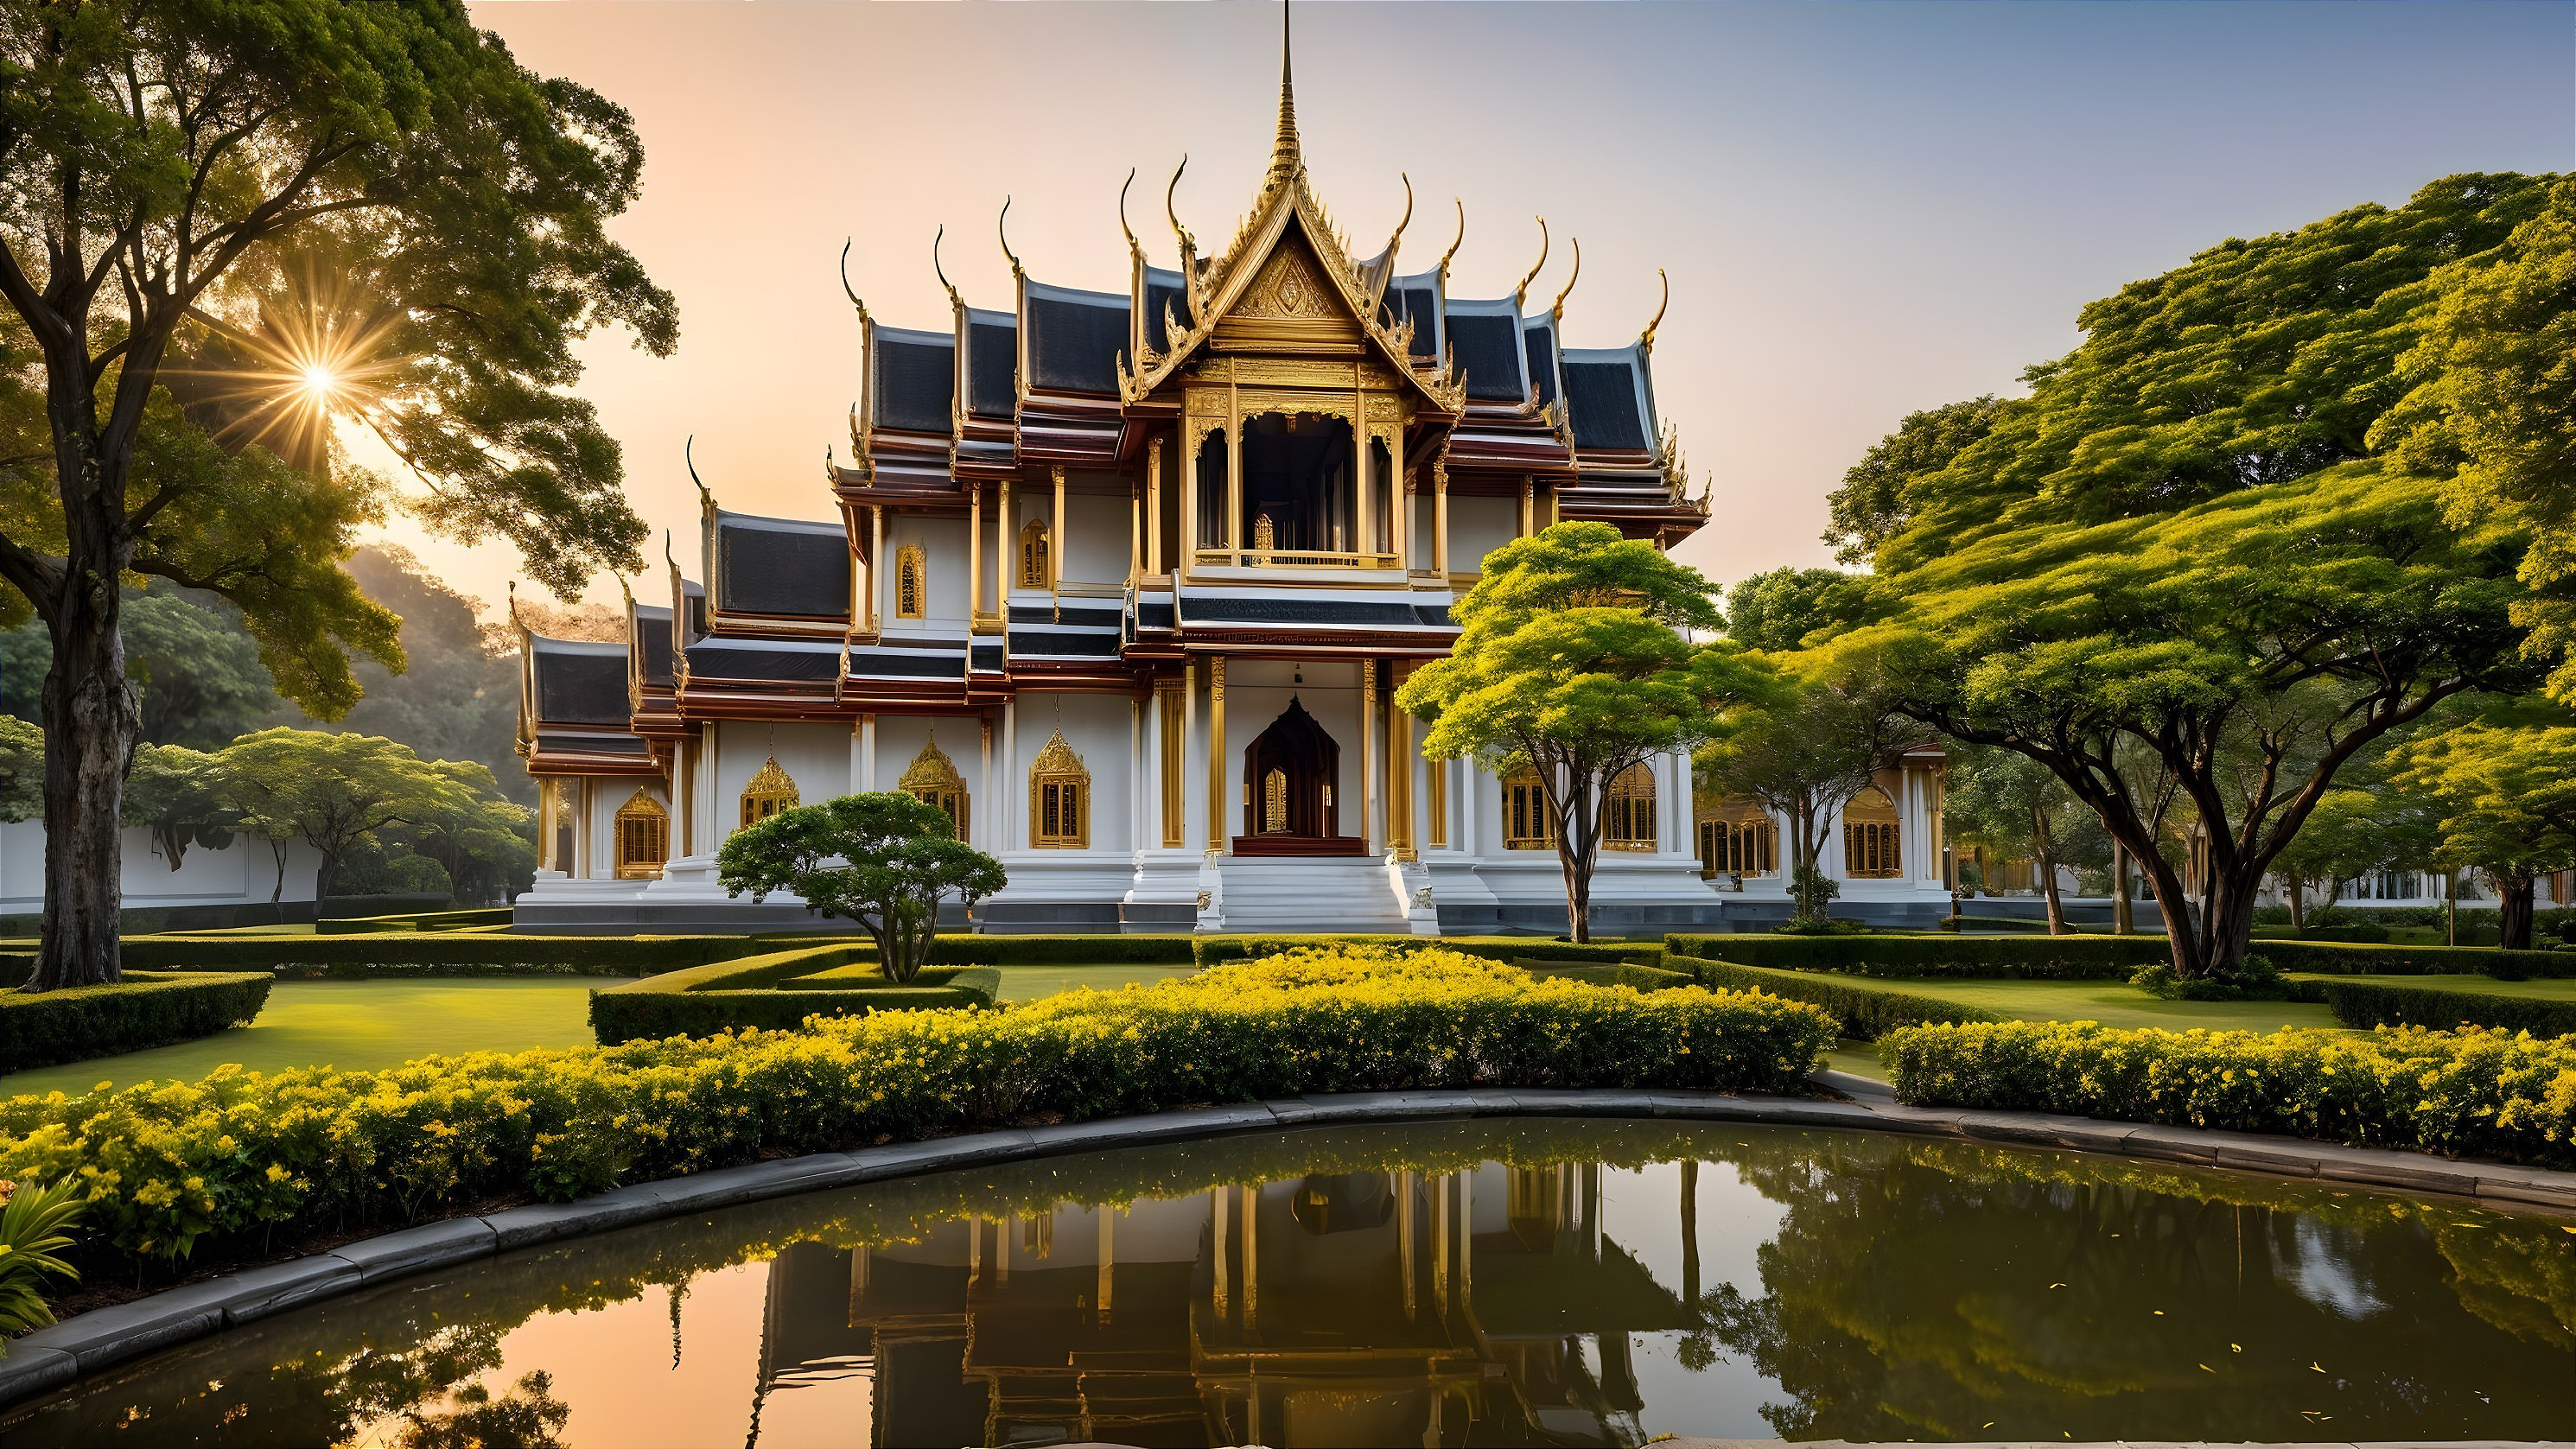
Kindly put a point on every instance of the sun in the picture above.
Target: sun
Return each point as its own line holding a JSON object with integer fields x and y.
{"x": 318, "y": 380}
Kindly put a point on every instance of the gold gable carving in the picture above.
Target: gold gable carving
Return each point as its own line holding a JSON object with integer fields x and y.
{"x": 931, "y": 770}
{"x": 1287, "y": 289}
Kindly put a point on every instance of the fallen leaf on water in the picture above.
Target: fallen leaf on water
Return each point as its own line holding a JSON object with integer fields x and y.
{"x": 2204, "y": 1368}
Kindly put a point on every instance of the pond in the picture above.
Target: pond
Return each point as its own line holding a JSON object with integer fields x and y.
{"x": 1486, "y": 1282}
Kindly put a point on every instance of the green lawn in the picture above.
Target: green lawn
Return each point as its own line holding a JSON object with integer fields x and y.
{"x": 2112, "y": 1003}
{"x": 1028, "y": 983}
{"x": 354, "y": 1024}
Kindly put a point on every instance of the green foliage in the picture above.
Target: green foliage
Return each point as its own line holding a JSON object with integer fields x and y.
{"x": 1216, "y": 950}
{"x": 146, "y": 1009}
{"x": 2178, "y": 561}
{"x": 777, "y": 991}
{"x": 2472, "y": 1093}
{"x": 1062, "y": 950}
{"x": 222, "y": 1161}
{"x": 22, "y": 770}
{"x": 178, "y": 793}
{"x": 2369, "y": 959}
{"x": 335, "y": 792}
{"x": 35, "y": 1227}
{"x": 2028, "y": 958}
{"x": 882, "y": 860}
{"x": 2493, "y": 407}
{"x": 407, "y": 953}
{"x": 1872, "y": 505}
{"x": 2506, "y": 796}
{"x": 1777, "y": 610}
{"x": 1572, "y": 662}
{"x": 2366, "y": 1004}
{"x": 1863, "y": 1011}
{"x": 197, "y": 676}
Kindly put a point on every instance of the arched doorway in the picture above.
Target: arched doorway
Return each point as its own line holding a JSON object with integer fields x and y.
{"x": 1288, "y": 804}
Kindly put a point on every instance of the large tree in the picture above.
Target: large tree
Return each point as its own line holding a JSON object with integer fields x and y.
{"x": 1777, "y": 610}
{"x": 2494, "y": 408}
{"x": 195, "y": 670}
{"x": 222, "y": 223}
{"x": 333, "y": 792}
{"x": 1572, "y": 663}
{"x": 1872, "y": 505}
{"x": 2181, "y": 558}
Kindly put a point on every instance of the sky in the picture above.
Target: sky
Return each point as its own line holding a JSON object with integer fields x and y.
{"x": 1865, "y": 207}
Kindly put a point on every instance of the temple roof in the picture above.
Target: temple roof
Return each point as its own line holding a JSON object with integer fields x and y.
{"x": 912, "y": 380}
{"x": 1072, "y": 338}
{"x": 788, "y": 567}
{"x": 1485, "y": 349}
{"x": 1610, "y": 397}
{"x": 989, "y": 361}
{"x": 578, "y": 681}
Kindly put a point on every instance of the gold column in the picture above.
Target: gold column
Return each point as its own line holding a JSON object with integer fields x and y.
{"x": 549, "y": 809}
{"x": 1440, "y": 519}
{"x": 974, "y": 556}
{"x": 1108, "y": 1259}
{"x": 1005, "y": 538}
{"x": 1055, "y": 545}
{"x": 1435, "y": 803}
{"x": 1399, "y": 767}
{"x": 876, "y": 569}
{"x": 1169, "y": 696}
{"x": 1368, "y": 755}
{"x": 1135, "y": 529}
{"x": 1154, "y": 507}
{"x": 1364, "y": 527}
{"x": 1217, "y": 1199}
{"x": 684, "y": 793}
{"x": 1404, "y": 1188}
{"x": 1234, "y": 471}
{"x": 1528, "y": 511}
{"x": 1216, "y": 802}
{"x": 1187, "y": 461}
{"x": 1251, "y": 1256}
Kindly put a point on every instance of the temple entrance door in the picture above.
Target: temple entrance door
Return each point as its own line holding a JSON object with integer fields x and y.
{"x": 1288, "y": 775}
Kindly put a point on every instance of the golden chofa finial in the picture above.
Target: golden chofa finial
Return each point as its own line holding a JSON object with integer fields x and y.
{"x": 1522, "y": 290}
{"x": 1646, "y": 339}
{"x": 1454, "y": 242}
{"x": 1135, "y": 248}
{"x": 689, "y": 455}
{"x": 1558, "y": 311}
{"x": 1405, "y": 220}
{"x": 846, "y": 288}
{"x": 1002, "y": 228}
{"x": 940, "y": 272}
{"x": 515, "y": 621}
{"x": 1287, "y": 158}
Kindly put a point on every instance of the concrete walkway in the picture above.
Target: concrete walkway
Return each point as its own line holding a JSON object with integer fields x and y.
{"x": 52, "y": 1357}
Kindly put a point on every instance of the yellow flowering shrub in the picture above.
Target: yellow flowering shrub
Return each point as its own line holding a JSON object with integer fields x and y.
{"x": 169, "y": 1168}
{"x": 2480, "y": 1093}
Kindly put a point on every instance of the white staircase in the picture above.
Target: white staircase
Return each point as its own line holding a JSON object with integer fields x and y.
{"x": 1328, "y": 893}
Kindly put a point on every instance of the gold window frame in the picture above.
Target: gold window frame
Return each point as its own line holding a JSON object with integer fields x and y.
{"x": 1873, "y": 845}
{"x": 1037, "y": 564}
{"x": 1629, "y": 801}
{"x": 770, "y": 791}
{"x": 911, "y": 582}
{"x": 1059, "y": 798}
{"x": 643, "y": 823}
{"x": 1527, "y": 822}
{"x": 932, "y": 778}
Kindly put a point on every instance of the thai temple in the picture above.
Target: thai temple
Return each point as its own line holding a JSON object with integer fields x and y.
{"x": 1125, "y": 580}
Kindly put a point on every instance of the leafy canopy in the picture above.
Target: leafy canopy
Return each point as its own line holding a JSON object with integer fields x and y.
{"x": 1871, "y": 506}
{"x": 332, "y": 791}
{"x": 2494, "y": 408}
{"x": 1572, "y": 662}
{"x": 1777, "y": 610}
{"x": 883, "y": 859}
{"x": 2180, "y": 553}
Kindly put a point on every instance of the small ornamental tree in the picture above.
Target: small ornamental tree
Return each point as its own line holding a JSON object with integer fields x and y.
{"x": 883, "y": 859}
{"x": 1571, "y": 663}
{"x": 178, "y": 792}
{"x": 1814, "y": 740}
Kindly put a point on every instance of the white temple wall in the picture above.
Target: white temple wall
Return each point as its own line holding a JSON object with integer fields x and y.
{"x": 1098, "y": 523}
{"x": 1421, "y": 538}
{"x": 1100, "y": 729}
{"x": 608, "y": 795}
{"x": 1478, "y": 526}
{"x": 815, "y": 756}
{"x": 942, "y": 541}
{"x": 243, "y": 872}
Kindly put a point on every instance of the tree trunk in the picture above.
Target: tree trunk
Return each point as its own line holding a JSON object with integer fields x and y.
{"x": 1578, "y": 848}
{"x": 2123, "y": 915}
{"x": 89, "y": 715}
{"x": 2044, "y": 853}
{"x": 2513, "y": 908}
{"x": 2450, "y": 908}
{"x": 1690, "y": 1233}
{"x": 277, "y": 893}
{"x": 2298, "y": 906}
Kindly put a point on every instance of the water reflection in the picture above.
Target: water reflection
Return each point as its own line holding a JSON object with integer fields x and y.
{"x": 1466, "y": 1283}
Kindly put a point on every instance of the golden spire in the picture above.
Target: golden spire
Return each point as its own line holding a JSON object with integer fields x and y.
{"x": 1521, "y": 292}
{"x": 1558, "y": 311}
{"x": 1286, "y": 157}
{"x": 1646, "y": 339}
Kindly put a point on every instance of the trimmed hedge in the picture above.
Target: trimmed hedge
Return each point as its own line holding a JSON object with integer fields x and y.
{"x": 146, "y": 1009}
{"x": 1060, "y": 950}
{"x": 1865, "y": 1011}
{"x": 2029, "y": 958}
{"x": 429, "y": 921}
{"x": 182, "y": 1170}
{"x": 637, "y": 954}
{"x": 2476, "y": 1093}
{"x": 768, "y": 993}
{"x": 2358, "y": 959}
{"x": 2382, "y": 1003}
{"x": 1217, "y": 950}
{"x": 1625, "y": 973}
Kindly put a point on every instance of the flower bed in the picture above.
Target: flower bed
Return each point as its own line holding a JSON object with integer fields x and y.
{"x": 2471, "y": 1093}
{"x": 146, "y": 1009}
{"x": 228, "y": 1160}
